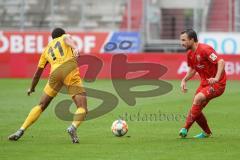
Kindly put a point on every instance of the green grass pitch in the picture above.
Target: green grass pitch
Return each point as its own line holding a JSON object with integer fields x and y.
{"x": 148, "y": 137}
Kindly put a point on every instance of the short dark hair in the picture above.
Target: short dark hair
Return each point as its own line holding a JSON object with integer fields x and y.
{"x": 57, "y": 32}
{"x": 191, "y": 34}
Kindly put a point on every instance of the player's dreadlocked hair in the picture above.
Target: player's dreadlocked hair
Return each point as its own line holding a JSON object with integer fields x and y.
{"x": 191, "y": 34}
{"x": 57, "y": 32}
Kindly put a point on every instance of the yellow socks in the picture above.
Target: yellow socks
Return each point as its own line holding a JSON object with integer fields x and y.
{"x": 36, "y": 112}
{"x": 79, "y": 117}
{"x": 32, "y": 117}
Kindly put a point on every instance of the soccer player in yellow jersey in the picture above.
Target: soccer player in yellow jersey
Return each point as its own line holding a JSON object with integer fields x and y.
{"x": 61, "y": 54}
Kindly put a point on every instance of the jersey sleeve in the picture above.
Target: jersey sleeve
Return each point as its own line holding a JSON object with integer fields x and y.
{"x": 212, "y": 56}
{"x": 43, "y": 61}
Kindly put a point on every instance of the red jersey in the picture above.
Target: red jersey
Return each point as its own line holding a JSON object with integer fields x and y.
{"x": 204, "y": 61}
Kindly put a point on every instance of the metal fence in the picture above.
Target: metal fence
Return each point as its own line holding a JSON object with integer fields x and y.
{"x": 166, "y": 19}
{"x": 74, "y": 14}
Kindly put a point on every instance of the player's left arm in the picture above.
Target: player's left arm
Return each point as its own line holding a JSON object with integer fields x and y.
{"x": 220, "y": 70}
{"x": 71, "y": 43}
{"x": 213, "y": 58}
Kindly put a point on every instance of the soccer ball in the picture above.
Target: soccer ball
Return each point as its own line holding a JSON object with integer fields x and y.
{"x": 119, "y": 128}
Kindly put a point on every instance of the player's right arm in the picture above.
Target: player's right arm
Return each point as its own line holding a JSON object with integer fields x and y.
{"x": 37, "y": 75}
{"x": 35, "y": 80}
{"x": 190, "y": 73}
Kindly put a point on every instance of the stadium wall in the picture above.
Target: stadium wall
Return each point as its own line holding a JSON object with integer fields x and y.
{"x": 24, "y": 65}
{"x": 20, "y": 51}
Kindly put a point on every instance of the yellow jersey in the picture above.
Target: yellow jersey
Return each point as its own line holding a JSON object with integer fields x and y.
{"x": 57, "y": 52}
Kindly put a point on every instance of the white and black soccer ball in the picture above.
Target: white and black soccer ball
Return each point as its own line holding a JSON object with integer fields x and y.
{"x": 119, "y": 128}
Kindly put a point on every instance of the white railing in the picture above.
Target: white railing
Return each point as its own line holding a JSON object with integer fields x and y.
{"x": 205, "y": 15}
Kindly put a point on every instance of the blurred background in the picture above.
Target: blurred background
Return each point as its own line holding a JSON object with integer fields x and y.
{"x": 151, "y": 26}
{"x": 146, "y": 33}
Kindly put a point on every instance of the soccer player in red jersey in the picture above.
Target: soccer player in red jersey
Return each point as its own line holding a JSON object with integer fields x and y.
{"x": 201, "y": 59}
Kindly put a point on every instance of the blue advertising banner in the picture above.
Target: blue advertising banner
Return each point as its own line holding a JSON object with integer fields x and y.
{"x": 223, "y": 43}
{"x": 122, "y": 42}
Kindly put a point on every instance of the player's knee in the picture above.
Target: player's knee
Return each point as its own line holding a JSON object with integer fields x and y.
{"x": 79, "y": 95}
{"x": 43, "y": 105}
{"x": 83, "y": 96}
{"x": 44, "y": 102}
{"x": 198, "y": 100}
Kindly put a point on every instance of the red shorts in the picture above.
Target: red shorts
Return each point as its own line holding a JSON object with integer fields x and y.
{"x": 211, "y": 91}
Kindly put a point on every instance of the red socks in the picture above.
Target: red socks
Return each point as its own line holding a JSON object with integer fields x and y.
{"x": 192, "y": 115}
{"x": 202, "y": 122}
{"x": 195, "y": 114}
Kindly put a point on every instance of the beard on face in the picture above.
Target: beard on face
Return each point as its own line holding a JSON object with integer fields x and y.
{"x": 187, "y": 47}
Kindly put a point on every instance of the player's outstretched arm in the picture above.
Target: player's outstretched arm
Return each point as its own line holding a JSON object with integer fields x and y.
{"x": 191, "y": 72}
{"x": 35, "y": 80}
